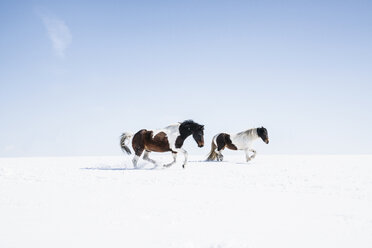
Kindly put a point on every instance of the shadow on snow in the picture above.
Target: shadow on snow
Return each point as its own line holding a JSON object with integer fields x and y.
{"x": 116, "y": 169}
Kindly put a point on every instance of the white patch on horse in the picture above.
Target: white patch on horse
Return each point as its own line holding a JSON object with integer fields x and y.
{"x": 215, "y": 139}
{"x": 244, "y": 140}
{"x": 173, "y": 133}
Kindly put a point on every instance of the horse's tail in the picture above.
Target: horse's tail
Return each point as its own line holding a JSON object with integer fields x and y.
{"x": 124, "y": 140}
{"x": 213, "y": 154}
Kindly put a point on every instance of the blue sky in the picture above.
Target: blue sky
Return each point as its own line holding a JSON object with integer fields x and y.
{"x": 75, "y": 74}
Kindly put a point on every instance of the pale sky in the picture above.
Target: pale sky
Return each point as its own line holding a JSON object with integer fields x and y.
{"x": 74, "y": 75}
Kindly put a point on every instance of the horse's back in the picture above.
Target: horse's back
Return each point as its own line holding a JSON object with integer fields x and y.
{"x": 240, "y": 141}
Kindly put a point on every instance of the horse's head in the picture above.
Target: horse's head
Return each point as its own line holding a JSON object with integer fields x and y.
{"x": 190, "y": 127}
{"x": 198, "y": 135}
{"x": 262, "y": 133}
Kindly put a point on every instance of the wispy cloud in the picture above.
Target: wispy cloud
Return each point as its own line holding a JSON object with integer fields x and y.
{"x": 59, "y": 34}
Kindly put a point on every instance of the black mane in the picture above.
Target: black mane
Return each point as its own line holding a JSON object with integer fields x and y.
{"x": 188, "y": 122}
{"x": 189, "y": 126}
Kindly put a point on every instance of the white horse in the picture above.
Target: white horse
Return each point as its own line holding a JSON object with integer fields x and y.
{"x": 239, "y": 141}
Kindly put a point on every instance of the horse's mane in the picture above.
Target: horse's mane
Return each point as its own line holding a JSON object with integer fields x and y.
{"x": 184, "y": 123}
{"x": 248, "y": 132}
{"x": 191, "y": 125}
{"x": 188, "y": 122}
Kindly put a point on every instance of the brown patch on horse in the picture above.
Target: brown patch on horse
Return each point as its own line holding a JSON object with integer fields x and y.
{"x": 229, "y": 143}
{"x": 223, "y": 140}
{"x": 158, "y": 143}
{"x": 144, "y": 140}
{"x": 220, "y": 140}
{"x": 138, "y": 142}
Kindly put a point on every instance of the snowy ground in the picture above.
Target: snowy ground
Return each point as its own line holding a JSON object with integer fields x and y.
{"x": 274, "y": 201}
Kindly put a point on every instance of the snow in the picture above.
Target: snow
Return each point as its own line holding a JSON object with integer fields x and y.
{"x": 273, "y": 201}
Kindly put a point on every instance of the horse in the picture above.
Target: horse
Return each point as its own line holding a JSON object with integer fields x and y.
{"x": 168, "y": 139}
{"x": 239, "y": 141}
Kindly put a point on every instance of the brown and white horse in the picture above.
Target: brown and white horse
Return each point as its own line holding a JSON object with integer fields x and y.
{"x": 239, "y": 141}
{"x": 168, "y": 139}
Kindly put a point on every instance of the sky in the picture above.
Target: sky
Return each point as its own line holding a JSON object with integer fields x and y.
{"x": 74, "y": 75}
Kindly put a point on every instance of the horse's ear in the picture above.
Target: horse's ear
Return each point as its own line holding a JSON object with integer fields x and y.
{"x": 202, "y": 127}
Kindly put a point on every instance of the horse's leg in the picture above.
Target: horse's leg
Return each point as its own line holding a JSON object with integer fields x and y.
{"x": 219, "y": 155}
{"x": 185, "y": 154}
{"x": 138, "y": 146}
{"x": 221, "y": 144}
{"x": 135, "y": 160}
{"x": 174, "y": 154}
{"x": 138, "y": 153}
{"x": 254, "y": 153}
{"x": 247, "y": 157}
{"x": 146, "y": 157}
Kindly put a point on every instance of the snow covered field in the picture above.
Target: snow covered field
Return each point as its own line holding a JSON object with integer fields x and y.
{"x": 274, "y": 201}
